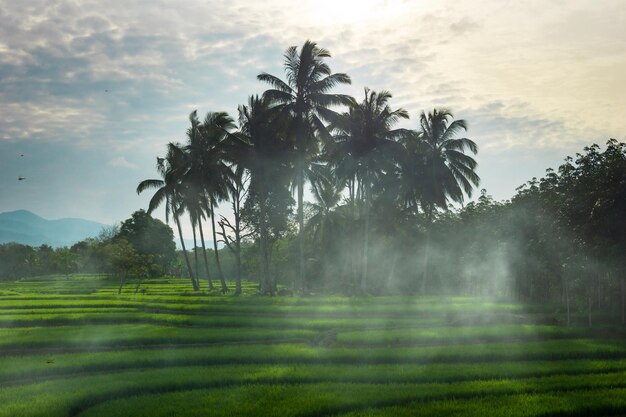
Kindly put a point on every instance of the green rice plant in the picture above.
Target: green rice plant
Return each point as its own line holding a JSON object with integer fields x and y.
{"x": 189, "y": 391}
{"x": 458, "y": 334}
{"x": 96, "y": 336}
{"x": 25, "y": 366}
{"x": 23, "y": 372}
{"x": 596, "y": 402}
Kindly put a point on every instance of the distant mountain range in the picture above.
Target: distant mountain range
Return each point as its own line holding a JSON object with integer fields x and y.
{"x": 24, "y": 227}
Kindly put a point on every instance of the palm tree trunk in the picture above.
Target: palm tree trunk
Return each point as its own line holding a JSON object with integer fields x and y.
{"x": 301, "y": 224}
{"x": 589, "y": 308}
{"x": 426, "y": 250}
{"x": 206, "y": 261}
{"x": 265, "y": 284}
{"x": 355, "y": 245}
{"x": 236, "y": 205}
{"x": 323, "y": 269}
{"x": 623, "y": 294}
{"x": 238, "y": 259}
{"x": 366, "y": 238}
{"x": 195, "y": 254}
{"x": 217, "y": 256}
{"x": 565, "y": 284}
{"x": 182, "y": 243}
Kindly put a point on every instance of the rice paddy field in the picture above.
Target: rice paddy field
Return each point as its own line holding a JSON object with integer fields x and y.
{"x": 75, "y": 347}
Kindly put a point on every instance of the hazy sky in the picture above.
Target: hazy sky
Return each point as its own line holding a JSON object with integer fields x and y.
{"x": 91, "y": 91}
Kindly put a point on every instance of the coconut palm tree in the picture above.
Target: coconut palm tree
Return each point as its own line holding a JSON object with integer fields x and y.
{"x": 268, "y": 160}
{"x": 449, "y": 173}
{"x": 366, "y": 147}
{"x": 216, "y": 140}
{"x": 305, "y": 98}
{"x": 195, "y": 178}
{"x": 171, "y": 191}
{"x": 325, "y": 222}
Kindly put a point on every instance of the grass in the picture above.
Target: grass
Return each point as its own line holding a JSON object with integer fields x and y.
{"x": 71, "y": 347}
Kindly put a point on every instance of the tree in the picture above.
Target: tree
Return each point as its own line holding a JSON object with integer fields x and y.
{"x": 268, "y": 159}
{"x": 152, "y": 238}
{"x": 366, "y": 148}
{"x": 325, "y": 223}
{"x": 216, "y": 175}
{"x": 65, "y": 261}
{"x": 305, "y": 98}
{"x": 122, "y": 260}
{"x": 449, "y": 173}
{"x": 196, "y": 195}
{"x": 233, "y": 233}
{"x": 170, "y": 190}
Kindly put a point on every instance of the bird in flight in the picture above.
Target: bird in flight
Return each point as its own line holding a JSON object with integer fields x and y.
{"x": 21, "y": 154}
{"x": 21, "y": 178}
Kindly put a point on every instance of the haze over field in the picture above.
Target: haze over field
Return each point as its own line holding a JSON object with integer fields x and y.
{"x": 91, "y": 92}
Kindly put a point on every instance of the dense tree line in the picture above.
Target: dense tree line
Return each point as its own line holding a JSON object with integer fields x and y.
{"x": 561, "y": 239}
{"x": 364, "y": 172}
{"x": 382, "y": 217}
{"x": 387, "y": 211}
{"x": 140, "y": 247}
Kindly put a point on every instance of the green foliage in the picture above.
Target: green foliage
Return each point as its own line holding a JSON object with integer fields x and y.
{"x": 151, "y": 239}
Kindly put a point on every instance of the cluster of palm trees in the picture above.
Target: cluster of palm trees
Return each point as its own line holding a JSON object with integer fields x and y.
{"x": 292, "y": 135}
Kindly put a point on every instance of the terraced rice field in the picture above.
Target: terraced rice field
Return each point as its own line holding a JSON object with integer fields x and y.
{"x": 74, "y": 347}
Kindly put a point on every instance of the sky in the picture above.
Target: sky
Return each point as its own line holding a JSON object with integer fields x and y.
{"x": 92, "y": 91}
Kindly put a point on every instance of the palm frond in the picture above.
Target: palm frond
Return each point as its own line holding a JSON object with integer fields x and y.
{"x": 151, "y": 183}
{"x": 275, "y": 82}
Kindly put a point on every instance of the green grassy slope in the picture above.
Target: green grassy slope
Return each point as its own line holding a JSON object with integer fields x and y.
{"x": 74, "y": 347}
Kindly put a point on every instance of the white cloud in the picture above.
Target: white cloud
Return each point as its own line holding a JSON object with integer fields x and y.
{"x": 116, "y": 76}
{"x": 121, "y": 162}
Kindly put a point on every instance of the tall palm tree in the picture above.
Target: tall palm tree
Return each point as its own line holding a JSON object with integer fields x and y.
{"x": 267, "y": 159}
{"x": 170, "y": 190}
{"x": 325, "y": 223}
{"x": 449, "y": 173}
{"x": 195, "y": 180}
{"x": 366, "y": 147}
{"x": 216, "y": 138}
{"x": 306, "y": 99}
{"x": 254, "y": 124}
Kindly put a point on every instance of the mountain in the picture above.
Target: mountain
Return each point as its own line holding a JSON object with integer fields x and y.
{"x": 24, "y": 227}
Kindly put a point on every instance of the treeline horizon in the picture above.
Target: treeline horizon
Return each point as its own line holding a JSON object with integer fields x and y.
{"x": 559, "y": 239}
{"x": 383, "y": 217}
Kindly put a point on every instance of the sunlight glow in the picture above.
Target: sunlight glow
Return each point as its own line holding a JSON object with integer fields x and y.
{"x": 351, "y": 12}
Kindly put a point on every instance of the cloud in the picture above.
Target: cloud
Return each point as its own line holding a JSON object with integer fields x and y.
{"x": 104, "y": 79}
{"x": 464, "y": 25}
{"x": 121, "y": 162}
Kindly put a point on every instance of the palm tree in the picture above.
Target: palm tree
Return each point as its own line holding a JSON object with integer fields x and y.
{"x": 170, "y": 190}
{"x": 305, "y": 98}
{"x": 195, "y": 178}
{"x": 365, "y": 149}
{"x": 325, "y": 222}
{"x": 449, "y": 173}
{"x": 216, "y": 138}
{"x": 267, "y": 159}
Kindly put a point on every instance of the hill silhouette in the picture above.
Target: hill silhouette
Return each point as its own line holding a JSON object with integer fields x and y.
{"x": 23, "y": 226}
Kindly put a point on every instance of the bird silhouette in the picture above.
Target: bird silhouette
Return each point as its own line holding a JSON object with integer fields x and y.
{"x": 21, "y": 178}
{"x": 21, "y": 154}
